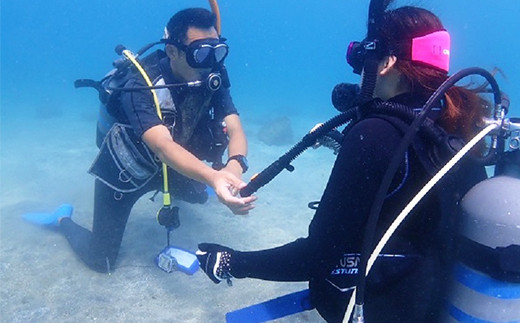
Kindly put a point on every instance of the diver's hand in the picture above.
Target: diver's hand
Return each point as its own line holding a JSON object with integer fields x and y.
{"x": 227, "y": 186}
{"x": 234, "y": 168}
{"x": 215, "y": 260}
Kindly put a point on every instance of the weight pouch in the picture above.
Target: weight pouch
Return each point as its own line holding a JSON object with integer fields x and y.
{"x": 124, "y": 163}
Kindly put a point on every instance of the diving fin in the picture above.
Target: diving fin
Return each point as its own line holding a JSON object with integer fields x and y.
{"x": 49, "y": 219}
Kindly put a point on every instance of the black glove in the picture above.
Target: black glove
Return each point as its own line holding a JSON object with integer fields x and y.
{"x": 215, "y": 260}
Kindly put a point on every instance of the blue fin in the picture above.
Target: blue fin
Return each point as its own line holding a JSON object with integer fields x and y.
{"x": 49, "y": 219}
{"x": 270, "y": 310}
{"x": 210, "y": 190}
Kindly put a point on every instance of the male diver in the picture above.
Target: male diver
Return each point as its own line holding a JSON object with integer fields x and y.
{"x": 188, "y": 118}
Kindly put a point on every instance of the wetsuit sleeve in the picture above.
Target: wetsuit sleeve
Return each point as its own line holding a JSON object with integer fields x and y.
{"x": 338, "y": 223}
{"x": 285, "y": 263}
{"x": 139, "y": 108}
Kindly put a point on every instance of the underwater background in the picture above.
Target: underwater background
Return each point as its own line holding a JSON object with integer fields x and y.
{"x": 285, "y": 58}
{"x": 284, "y": 55}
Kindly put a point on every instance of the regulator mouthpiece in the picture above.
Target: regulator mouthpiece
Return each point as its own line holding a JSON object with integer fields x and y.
{"x": 213, "y": 81}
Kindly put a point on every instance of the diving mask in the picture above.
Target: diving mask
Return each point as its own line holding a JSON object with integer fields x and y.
{"x": 202, "y": 53}
{"x": 357, "y": 52}
{"x": 432, "y": 50}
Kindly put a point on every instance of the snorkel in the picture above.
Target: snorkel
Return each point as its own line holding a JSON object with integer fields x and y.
{"x": 216, "y": 11}
{"x": 372, "y": 49}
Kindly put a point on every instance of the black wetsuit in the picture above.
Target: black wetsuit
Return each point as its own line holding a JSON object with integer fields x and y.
{"x": 99, "y": 248}
{"x": 404, "y": 286}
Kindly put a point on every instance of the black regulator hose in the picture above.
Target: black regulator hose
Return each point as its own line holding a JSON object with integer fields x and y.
{"x": 368, "y": 239}
{"x": 285, "y": 160}
{"x": 309, "y": 140}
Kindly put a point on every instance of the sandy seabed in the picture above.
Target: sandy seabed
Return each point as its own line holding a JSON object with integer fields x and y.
{"x": 44, "y": 163}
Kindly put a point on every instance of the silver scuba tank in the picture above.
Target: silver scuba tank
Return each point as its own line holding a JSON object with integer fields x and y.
{"x": 485, "y": 285}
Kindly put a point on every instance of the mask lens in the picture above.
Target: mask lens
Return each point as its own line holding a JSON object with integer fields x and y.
{"x": 201, "y": 54}
{"x": 205, "y": 53}
{"x": 221, "y": 52}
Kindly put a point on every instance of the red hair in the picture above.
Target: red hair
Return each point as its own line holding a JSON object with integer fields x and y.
{"x": 464, "y": 108}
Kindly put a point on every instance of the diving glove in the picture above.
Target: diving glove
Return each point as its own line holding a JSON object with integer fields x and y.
{"x": 215, "y": 260}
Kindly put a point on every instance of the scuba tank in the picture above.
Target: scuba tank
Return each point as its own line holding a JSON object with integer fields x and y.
{"x": 485, "y": 285}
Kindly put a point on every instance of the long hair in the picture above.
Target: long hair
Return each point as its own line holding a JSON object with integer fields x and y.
{"x": 464, "y": 108}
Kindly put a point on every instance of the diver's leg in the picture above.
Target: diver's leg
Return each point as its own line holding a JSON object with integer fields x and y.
{"x": 99, "y": 248}
{"x": 111, "y": 212}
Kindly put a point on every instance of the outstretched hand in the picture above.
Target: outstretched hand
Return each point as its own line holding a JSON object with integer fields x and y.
{"x": 227, "y": 186}
{"x": 215, "y": 260}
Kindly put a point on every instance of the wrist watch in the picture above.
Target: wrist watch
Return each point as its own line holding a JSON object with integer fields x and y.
{"x": 242, "y": 160}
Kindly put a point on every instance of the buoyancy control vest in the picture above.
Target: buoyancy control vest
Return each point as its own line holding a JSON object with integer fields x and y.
{"x": 124, "y": 162}
{"x": 192, "y": 122}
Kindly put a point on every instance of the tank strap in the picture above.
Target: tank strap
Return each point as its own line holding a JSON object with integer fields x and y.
{"x": 502, "y": 263}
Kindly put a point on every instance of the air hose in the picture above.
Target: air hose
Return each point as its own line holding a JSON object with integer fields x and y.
{"x": 266, "y": 175}
{"x": 131, "y": 57}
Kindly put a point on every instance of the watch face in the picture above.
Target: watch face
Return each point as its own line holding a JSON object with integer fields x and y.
{"x": 242, "y": 160}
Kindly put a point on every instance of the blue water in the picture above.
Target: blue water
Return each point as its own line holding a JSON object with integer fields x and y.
{"x": 285, "y": 58}
{"x": 284, "y": 54}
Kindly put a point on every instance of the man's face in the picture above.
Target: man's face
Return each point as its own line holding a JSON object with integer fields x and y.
{"x": 178, "y": 63}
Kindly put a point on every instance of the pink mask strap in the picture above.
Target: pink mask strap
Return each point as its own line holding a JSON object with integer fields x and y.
{"x": 433, "y": 49}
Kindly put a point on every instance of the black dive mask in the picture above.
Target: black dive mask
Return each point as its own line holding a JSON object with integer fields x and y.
{"x": 203, "y": 53}
{"x": 357, "y": 53}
